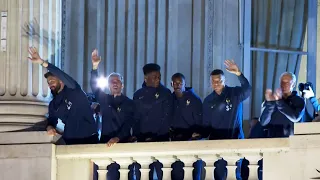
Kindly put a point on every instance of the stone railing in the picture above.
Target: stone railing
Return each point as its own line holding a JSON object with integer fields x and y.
{"x": 71, "y": 157}
{"x": 293, "y": 158}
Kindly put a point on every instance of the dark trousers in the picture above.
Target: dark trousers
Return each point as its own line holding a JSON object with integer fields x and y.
{"x": 94, "y": 139}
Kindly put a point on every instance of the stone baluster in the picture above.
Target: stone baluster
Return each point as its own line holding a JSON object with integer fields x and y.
{"x": 145, "y": 163}
{"x": 102, "y": 168}
{"x": 166, "y": 161}
{"x": 124, "y": 163}
{"x": 188, "y": 161}
{"x": 253, "y": 165}
{"x": 209, "y": 160}
{"x": 232, "y": 159}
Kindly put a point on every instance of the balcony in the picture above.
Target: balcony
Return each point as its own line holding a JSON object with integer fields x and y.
{"x": 30, "y": 155}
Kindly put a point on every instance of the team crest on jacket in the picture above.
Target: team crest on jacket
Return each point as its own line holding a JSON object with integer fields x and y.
{"x": 188, "y": 102}
{"x": 157, "y": 95}
{"x": 228, "y": 104}
{"x": 119, "y": 109}
{"x": 69, "y": 104}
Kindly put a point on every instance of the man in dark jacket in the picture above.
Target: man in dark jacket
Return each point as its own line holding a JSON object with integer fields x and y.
{"x": 117, "y": 111}
{"x": 283, "y": 108}
{"x": 69, "y": 103}
{"x": 154, "y": 107}
{"x": 187, "y": 111}
{"x": 187, "y": 120}
{"x": 222, "y": 111}
{"x": 154, "y": 111}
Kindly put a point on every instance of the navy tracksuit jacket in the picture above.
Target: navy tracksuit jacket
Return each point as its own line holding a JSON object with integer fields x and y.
{"x": 71, "y": 105}
{"x": 187, "y": 114}
{"x": 154, "y": 112}
{"x": 282, "y": 114}
{"x": 222, "y": 114}
{"x": 117, "y": 113}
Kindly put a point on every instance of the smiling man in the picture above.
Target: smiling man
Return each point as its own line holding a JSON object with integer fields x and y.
{"x": 69, "y": 103}
{"x": 222, "y": 111}
{"x": 282, "y": 108}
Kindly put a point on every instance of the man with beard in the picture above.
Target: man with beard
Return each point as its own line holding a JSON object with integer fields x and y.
{"x": 283, "y": 108}
{"x": 154, "y": 110}
{"x": 186, "y": 122}
{"x": 117, "y": 111}
{"x": 69, "y": 103}
{"x": 222, "y": 110}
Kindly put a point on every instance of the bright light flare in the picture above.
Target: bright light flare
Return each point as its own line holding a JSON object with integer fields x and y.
{"x": 102, "y": 82}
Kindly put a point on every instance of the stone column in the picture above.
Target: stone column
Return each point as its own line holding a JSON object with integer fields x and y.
{"x": 124, "y": 164}
{"x": 102, "y": 167}
{"x": 24, "y": 94}
{"x": 166, "y": 161}
{"x": 209, "y": 160}
{"x": 144, "y": 162}
{"x": 188, "y": 165}
{"x": 231, "y": 159}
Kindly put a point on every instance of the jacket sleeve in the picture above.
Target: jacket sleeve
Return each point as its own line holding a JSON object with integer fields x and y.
{"x": 205, "y": 119}
{"x": 244, "y": 91}
{"x": 267, "y": 109}
{"x": 98, "y": 93}
{"x": 136, "y": 116}
{"x": 315, "y": 104}
{"x": 294, "y": 112}
{"x": 197, "y": 114}
{"x": 65, "y": 78}
{"x": 52, "y": 120}
{"x": 168, "y": 107}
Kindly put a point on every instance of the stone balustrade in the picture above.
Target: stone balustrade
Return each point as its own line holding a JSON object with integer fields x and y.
{"x": 33, "y": 155}
{"x": 167, "y": 153}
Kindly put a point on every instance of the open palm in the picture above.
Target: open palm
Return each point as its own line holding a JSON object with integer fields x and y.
{"x": 34, "y": 55}
{"x": 231, "y": 66}
{"x": 95, "y": 58}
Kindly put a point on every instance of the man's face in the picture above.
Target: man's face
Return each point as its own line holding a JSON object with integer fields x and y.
{"x": 153, "y": 79}
{"x": 115, "y": 85}
{"x": 179, "y": 85}
{"x": 54, "y": 84}
{"x": 217, "y": 83}
{"x": 286, "y": 84}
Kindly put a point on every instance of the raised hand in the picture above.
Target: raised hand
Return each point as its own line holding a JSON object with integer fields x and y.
{"x": 35, "y": 57}
{"x": 268, "y": 95}
{"x": 232, "y": 67}
{"x": 277, "y": 95}
{"x": 95, "y": 58}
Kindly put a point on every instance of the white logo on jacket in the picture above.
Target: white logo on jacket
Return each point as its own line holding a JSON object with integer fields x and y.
{"x": 69, "y": 104}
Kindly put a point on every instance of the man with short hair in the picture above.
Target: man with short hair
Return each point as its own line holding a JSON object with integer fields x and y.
{"x": 154, "y": 107}
{"x": 117, "y": 109}
{"x": 153, "y": 111}
{"x": 69, "y": 103}
{"x": 187, "y": 120}
{"x": 283, "y": 108}
{"x": 222, "y": 111}
{"x": 187, "y": 111}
